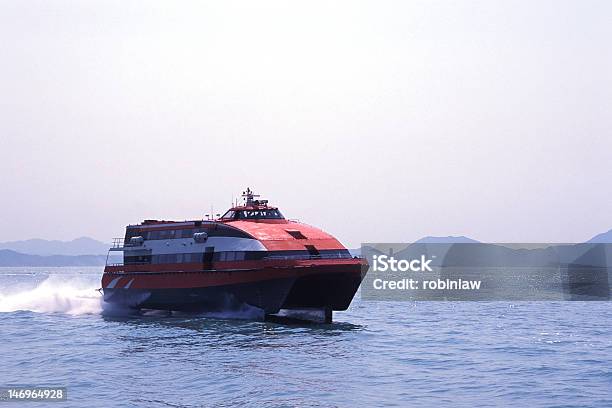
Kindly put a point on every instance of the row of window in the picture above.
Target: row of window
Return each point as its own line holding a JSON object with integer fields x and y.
{"x": 171, "y": 234}
{"x": 190, "y": 258}
{"x": 211, "y": 230}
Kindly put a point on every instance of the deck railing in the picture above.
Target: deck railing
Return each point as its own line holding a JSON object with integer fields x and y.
{"x": 118, "y": 243}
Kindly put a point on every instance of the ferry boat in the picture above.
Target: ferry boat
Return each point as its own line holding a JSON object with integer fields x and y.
{"x": 252, "y": 255}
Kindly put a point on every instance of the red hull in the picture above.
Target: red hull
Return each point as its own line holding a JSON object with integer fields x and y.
{"x": 320, "y": 284}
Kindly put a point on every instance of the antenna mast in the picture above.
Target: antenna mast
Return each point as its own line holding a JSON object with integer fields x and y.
{"x": 248, "y": 197}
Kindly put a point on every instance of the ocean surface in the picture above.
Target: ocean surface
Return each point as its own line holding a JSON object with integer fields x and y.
{"x": 54, "y": 331}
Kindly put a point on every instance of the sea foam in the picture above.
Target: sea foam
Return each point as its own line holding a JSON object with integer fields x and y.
{"x": 58, "y": 293}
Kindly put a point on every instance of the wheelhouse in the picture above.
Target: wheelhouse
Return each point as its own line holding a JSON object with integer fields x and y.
{"x": 253, "y": 214}
{"x": 252, "y": 210}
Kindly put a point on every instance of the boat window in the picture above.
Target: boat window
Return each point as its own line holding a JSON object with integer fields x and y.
{"x": 264, "y": 214}
{"x": 228, "y": 215}
{"x": 197, "y": 257}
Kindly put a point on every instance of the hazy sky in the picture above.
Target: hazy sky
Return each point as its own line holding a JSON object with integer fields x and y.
{"x": 378, "y": 121}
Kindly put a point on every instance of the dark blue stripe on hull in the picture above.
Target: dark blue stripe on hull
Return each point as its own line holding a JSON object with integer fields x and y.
{"x": 266, "y": 295}
{"x": 333, "y": 291}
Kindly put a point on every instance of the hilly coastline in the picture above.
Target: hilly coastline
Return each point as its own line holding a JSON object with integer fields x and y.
{"x": 86, "y": 251}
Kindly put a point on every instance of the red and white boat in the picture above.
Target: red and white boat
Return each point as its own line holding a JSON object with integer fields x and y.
{"x": 251, "y": 255}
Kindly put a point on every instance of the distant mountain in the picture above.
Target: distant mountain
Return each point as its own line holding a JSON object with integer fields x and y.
{"x": 446, "y": 240}
{"x": 428, "y": 240}
{"x": 603, "y": 238}
{"x": 12, "y": 258}
{"x": 79, "y": 246}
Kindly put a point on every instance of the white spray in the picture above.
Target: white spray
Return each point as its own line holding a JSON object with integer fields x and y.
{"x": 58, "y": 293}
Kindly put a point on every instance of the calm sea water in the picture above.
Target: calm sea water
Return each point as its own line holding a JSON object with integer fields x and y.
{"x": 53, "y": 331}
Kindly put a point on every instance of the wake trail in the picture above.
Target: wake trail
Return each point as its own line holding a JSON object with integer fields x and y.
{"x": 56, "y": 294}
{"x": 78, "y": 295}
